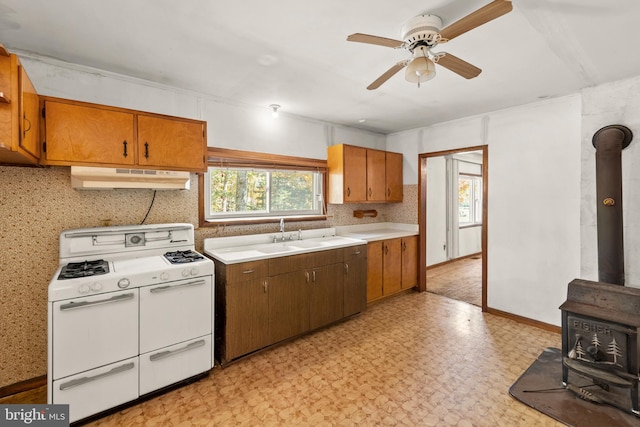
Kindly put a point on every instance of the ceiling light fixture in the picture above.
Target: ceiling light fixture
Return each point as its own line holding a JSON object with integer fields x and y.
{"x": 421, "y": 68}
{"x": 274, "y": 110}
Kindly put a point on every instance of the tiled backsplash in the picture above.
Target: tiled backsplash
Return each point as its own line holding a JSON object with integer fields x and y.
{"x": 39, "y": 203}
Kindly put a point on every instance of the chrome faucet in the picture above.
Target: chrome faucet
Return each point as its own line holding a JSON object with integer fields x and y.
{"x": 282, "y": 228}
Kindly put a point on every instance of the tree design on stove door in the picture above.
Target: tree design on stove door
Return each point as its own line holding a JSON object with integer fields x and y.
{"x": 613, "y": 349}
{"x": 580, "y": 353}
{"x": 595, "y": 341}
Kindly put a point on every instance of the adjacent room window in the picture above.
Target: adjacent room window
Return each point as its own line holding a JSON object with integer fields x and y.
{"x": 469, "y": 200}
{"x": 252, "y": 186}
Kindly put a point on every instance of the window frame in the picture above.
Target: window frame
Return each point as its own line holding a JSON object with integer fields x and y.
{"x": 223, "y": 157}
{"x": 474, "y": 211}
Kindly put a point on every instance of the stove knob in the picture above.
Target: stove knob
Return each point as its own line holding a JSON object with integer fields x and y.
{"x": 84, "y": 288}
{"x": 194, "y": 271}
{"x": 95, "y": 287}
{"x": 164, "y": 276}
{"x": 123, "y": 283}
{"x": 185, "y": 272}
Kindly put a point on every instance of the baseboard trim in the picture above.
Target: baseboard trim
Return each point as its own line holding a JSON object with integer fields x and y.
{"x": 449, "y": 261}
{"x": 525, "y": 320}
{"x": 22, "y": 386}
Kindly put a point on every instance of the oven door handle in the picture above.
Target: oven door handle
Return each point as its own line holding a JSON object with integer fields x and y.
{"x": 84, "y": 380}
{"x": 182, "y": 285}
{"x": 82, "y": 304}
{"x": 168, "y": 353}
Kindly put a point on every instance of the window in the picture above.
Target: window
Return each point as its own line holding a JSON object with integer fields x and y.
{"x": 255, "y": 187}
{"x": 469, "y": 200}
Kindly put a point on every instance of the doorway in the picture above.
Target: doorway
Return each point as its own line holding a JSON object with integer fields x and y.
{"x": 454, "y": 229}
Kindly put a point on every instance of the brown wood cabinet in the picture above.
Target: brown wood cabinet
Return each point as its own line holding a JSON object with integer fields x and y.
{"x": 362, "y": 175}
{"x": 245, "y": 290}
{"x": 79, "y": 133}
{"x": 19, "y": 137}
{"x": 392, "y": 266}
{"x": 260, "y": 303}
{"x": 355, "y": 275}
{"x": 393, "y": 177}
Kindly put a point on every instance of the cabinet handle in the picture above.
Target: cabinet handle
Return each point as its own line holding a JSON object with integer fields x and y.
{"x": 265, "y": 286}
{"x": 348, "y": 191}
{"x": 124, "y": 144}
{"x": 248, "y": 271}
{"x": 404, "y": 246}
{"x": 386, "y": 249}
{"x": 24, "y": 133}
{"x": 388, "y": 192}
{"x": 168, "y": 353}
{"x": 313, "y": 273}
{"x": 84, "y": 380}
{"x": 369, "y": 192}
{"x": 346, "y": 268}
{"x": 306, "y": 274}
{"x": 146, "y": 150}
{"x": 356, "y": 252}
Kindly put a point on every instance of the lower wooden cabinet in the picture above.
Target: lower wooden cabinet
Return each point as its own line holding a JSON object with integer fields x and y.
{"x": 355, "y": 275}
{"x": 392, "y": 266}
{"x": 260, "y": 303}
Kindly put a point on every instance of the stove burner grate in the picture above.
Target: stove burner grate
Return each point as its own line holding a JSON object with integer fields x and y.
{"x": 180, "y": 257}
{"x": 74, "y": 270}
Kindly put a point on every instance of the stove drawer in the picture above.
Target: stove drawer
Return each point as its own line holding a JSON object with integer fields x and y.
{"x": 169, "y": 365}
{"x": 93, "y": 331}
{"x": 175, "y": 312}
{"x": 99, "y": 389}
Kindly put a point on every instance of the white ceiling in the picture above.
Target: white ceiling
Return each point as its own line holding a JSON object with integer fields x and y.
{"x": 295, "y": 53}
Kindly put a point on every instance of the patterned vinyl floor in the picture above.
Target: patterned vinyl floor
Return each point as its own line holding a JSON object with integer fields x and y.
{"x": 460, "y": 280}
{"x": 417, "y": 359}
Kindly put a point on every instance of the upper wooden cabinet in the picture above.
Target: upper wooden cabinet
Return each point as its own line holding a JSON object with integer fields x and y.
{"x": 19, "y": 143}
{"x": 79, "y": 133}
{"x": 363, "y": 175}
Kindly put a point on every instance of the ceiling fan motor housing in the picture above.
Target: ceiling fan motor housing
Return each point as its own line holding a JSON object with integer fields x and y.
{"x": 421, "y": 30}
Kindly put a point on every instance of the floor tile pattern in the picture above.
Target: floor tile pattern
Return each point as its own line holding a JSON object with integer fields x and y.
{"x": 417, "y": 359}
{"x": 460, "y": 279}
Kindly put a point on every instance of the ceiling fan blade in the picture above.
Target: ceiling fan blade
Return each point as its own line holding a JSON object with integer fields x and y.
{"x": 458, "y": 66}
{"x": 487, "y": 13}
{"x": 387, "y": 75}
{"x": 380, "y": 41}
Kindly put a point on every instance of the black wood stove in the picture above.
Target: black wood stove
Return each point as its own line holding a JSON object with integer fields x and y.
{"x": 601, "y": 320}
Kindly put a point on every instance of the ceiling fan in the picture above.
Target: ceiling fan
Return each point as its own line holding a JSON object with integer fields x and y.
{"x": 424, "y": 32}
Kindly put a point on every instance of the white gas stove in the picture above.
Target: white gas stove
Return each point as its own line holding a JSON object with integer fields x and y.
{"x": 130, "y": 312}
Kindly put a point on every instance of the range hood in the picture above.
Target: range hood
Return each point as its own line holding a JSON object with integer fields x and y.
{"x": 94, "y": 178}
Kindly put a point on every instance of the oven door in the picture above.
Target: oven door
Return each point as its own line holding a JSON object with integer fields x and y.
{"x": 93, "y": 331}
{"x": 174, "y": 312}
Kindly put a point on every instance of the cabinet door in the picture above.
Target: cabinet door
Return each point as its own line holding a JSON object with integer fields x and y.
{"x": 355, "y": 174}
{"x": 80, "y": 134}
{"x": 29, "y": 117}
{"x": 409, "y": 262}
{"x": 355, "y": 280}
{"x": 326, "y": 295}
{"x": 393, "y": 177}
{"x": 175, "y": 143}
{"x": 376, "y": 175}
{"x": 374, "y": 270}
{"x": 392, "y": 267}
{"x": 288, "y": 305}
{"x": 247, "y": 317}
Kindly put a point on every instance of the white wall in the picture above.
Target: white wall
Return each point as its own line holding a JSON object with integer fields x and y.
{"x": 229, "y": 125}
{"x": 533, "y": 201}
{"x": 436, "y": 210}
{"x": 613, "y": 103}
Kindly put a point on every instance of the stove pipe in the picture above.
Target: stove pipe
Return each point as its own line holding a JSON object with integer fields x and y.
{"x": 609, "y": 143}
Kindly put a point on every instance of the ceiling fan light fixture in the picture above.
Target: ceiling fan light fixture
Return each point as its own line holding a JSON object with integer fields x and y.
{"x": 421, "y": 68}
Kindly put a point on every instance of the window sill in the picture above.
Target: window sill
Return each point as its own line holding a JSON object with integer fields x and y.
{"x": 260, "y": 220}
{"x": 470, "y": 225}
